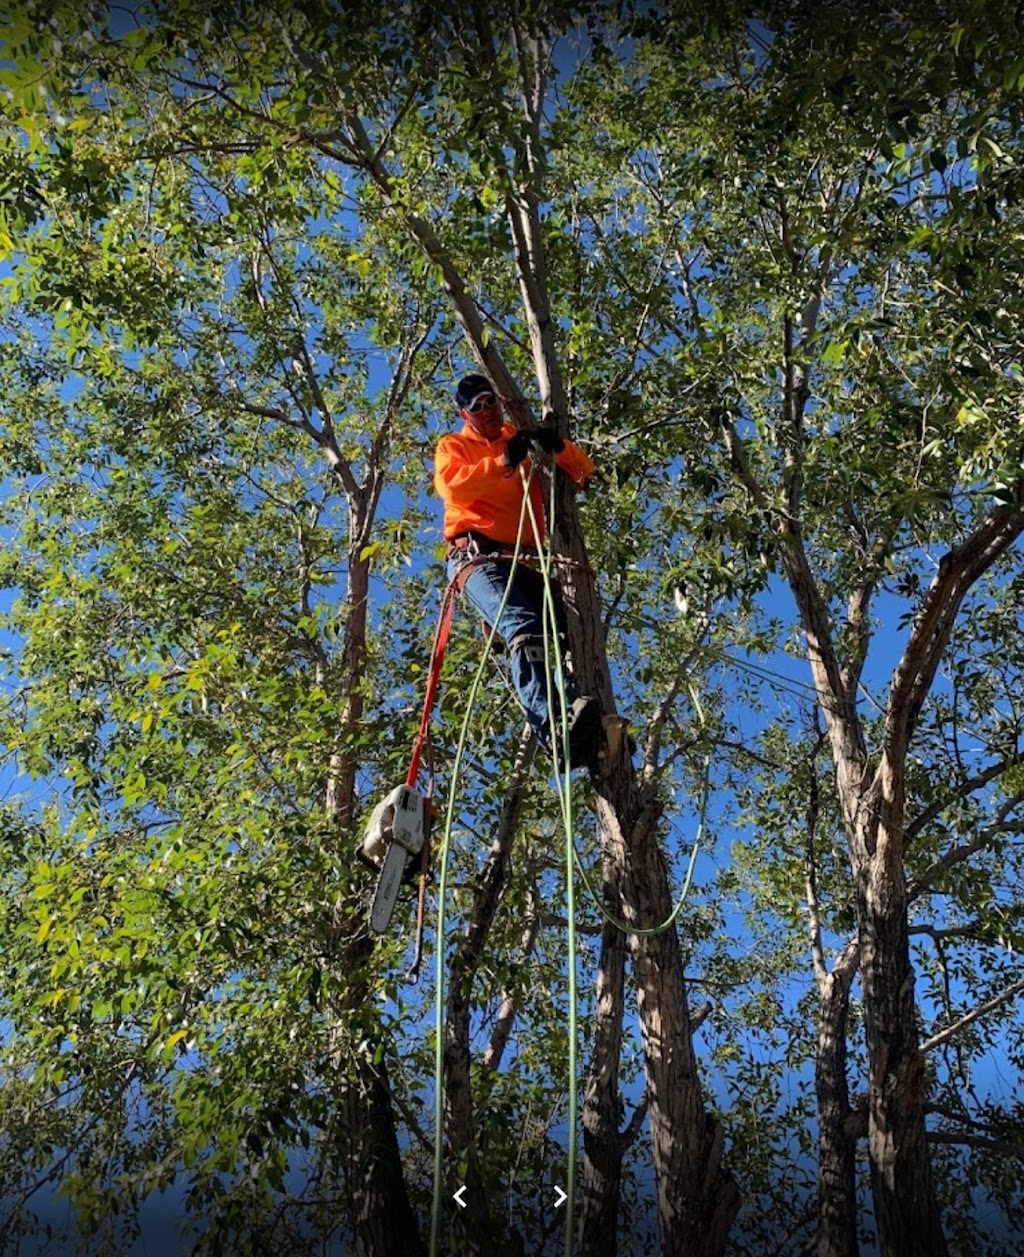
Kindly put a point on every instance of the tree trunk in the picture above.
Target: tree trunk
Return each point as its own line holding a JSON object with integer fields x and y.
{"x": 382, "y": 1216}
{"x": 603, "y": 1146}
{"x": 365, "y": 1140}
{"x": 697, "y": 1198}
{"x": 906, "y": 1208}
{"x": 837, "y": 1142}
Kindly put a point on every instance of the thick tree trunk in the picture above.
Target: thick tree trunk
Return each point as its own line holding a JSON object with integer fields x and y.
{"x": 906, "y": 1208}
{"x": 385, "y": 1223}
{"x": 697, "y": 1198}
{"x": 602, "y": 1144}
{"x": 837, "y": 1142}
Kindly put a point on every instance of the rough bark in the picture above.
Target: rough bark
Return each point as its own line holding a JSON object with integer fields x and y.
{"x": 836, "y": 1234}
{"x": 697, "y": 1198}
{"x": 906, "y": 1208}
{"x": 837, "y": 1142}
{"x": 874, "y": 809}
{"x": 873, "y": 806}
{"x": 382, "y": 1217}
{"x": 602, "y": 1144}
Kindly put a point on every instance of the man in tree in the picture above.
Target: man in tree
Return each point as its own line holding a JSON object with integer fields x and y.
{"x": 478, "y": 476}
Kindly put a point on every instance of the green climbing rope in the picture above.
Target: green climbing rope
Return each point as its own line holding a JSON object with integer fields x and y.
{"x": 552, "y": 652}
{"x": 435, "y": 1212}
{"x": 552, "y": 646}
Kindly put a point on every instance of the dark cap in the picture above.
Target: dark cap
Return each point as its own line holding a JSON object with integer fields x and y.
{"x": 472, "y": 386}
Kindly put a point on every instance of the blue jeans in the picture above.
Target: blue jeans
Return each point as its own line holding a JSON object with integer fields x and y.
{"x": 522, "y": 628}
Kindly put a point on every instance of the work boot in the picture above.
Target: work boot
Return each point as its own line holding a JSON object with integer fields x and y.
{"x": 584, "y": 731}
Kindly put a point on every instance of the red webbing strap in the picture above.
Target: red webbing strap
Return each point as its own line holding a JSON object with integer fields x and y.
{"x": 441, "y": 634}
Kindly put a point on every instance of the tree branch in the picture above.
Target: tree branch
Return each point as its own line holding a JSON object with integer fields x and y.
{"x": 509, "y": 1005}
{"x": 981, "y": 1143}
{"x": 965, "y": 788}
{"x": 810, "y": 865}
{"x": 917, "y": 886}
{"x": 989, "y": 1006}
{"x": 636, "y": 1120}
{"x": 465, "y": 308}
{"x": 958, "y": 570}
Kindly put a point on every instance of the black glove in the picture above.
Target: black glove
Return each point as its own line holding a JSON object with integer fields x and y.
{"x": 548, "y": 440}
{"x": 517, "y": 448}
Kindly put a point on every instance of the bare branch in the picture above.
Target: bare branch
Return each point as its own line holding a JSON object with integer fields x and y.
{"x": 656, "y": 725}
{"x": 675, "y": 419}
{"x": 556, "y": 921}
{"x": 278, "y": 415}
{"x": 958, "y": 570}
{"x": 636, "y": 1120}
{"x": 811, "y": 864}
{"x": 509, "y": 1004}
{"x": 699, "y": 1015}
{"x": 955, "y": 856}
{"x": 939, "y": 936}
{"x": 741, "y": 467}
{"x": 467, "y": 957}
{"x": 982, "y": 1143}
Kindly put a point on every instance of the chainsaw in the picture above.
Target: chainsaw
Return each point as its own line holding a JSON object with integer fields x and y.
{"x": 394, "y": 836}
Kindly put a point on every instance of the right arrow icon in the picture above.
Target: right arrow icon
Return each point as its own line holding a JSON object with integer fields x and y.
{"x": 560, "y": 1197}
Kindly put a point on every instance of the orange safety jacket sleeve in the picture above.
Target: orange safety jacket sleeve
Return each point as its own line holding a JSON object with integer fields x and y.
{"x": 479, "y": 493}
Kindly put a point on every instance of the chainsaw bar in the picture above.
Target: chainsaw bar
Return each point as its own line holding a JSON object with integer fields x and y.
{"x": 388, "y": 885}
{"x": 396, "y": 832}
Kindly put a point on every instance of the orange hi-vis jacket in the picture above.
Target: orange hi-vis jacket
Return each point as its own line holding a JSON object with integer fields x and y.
{"x": 481, "y": 495}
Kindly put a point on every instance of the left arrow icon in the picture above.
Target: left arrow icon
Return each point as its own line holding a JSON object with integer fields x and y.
{"x": 458, "y": 1197}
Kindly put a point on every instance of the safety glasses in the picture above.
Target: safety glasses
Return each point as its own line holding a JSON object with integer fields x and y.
{"x": 482, "y": 401}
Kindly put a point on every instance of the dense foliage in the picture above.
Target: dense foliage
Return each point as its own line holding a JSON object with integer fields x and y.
{"x": 245, "y": 254}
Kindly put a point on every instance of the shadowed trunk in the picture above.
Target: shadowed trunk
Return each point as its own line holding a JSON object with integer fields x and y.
{"x": 902, "y": 1186}
{"x": 837, "y": 1140}
{"x": 365, "y": 1137}
{"x": 602, "y": 1144}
